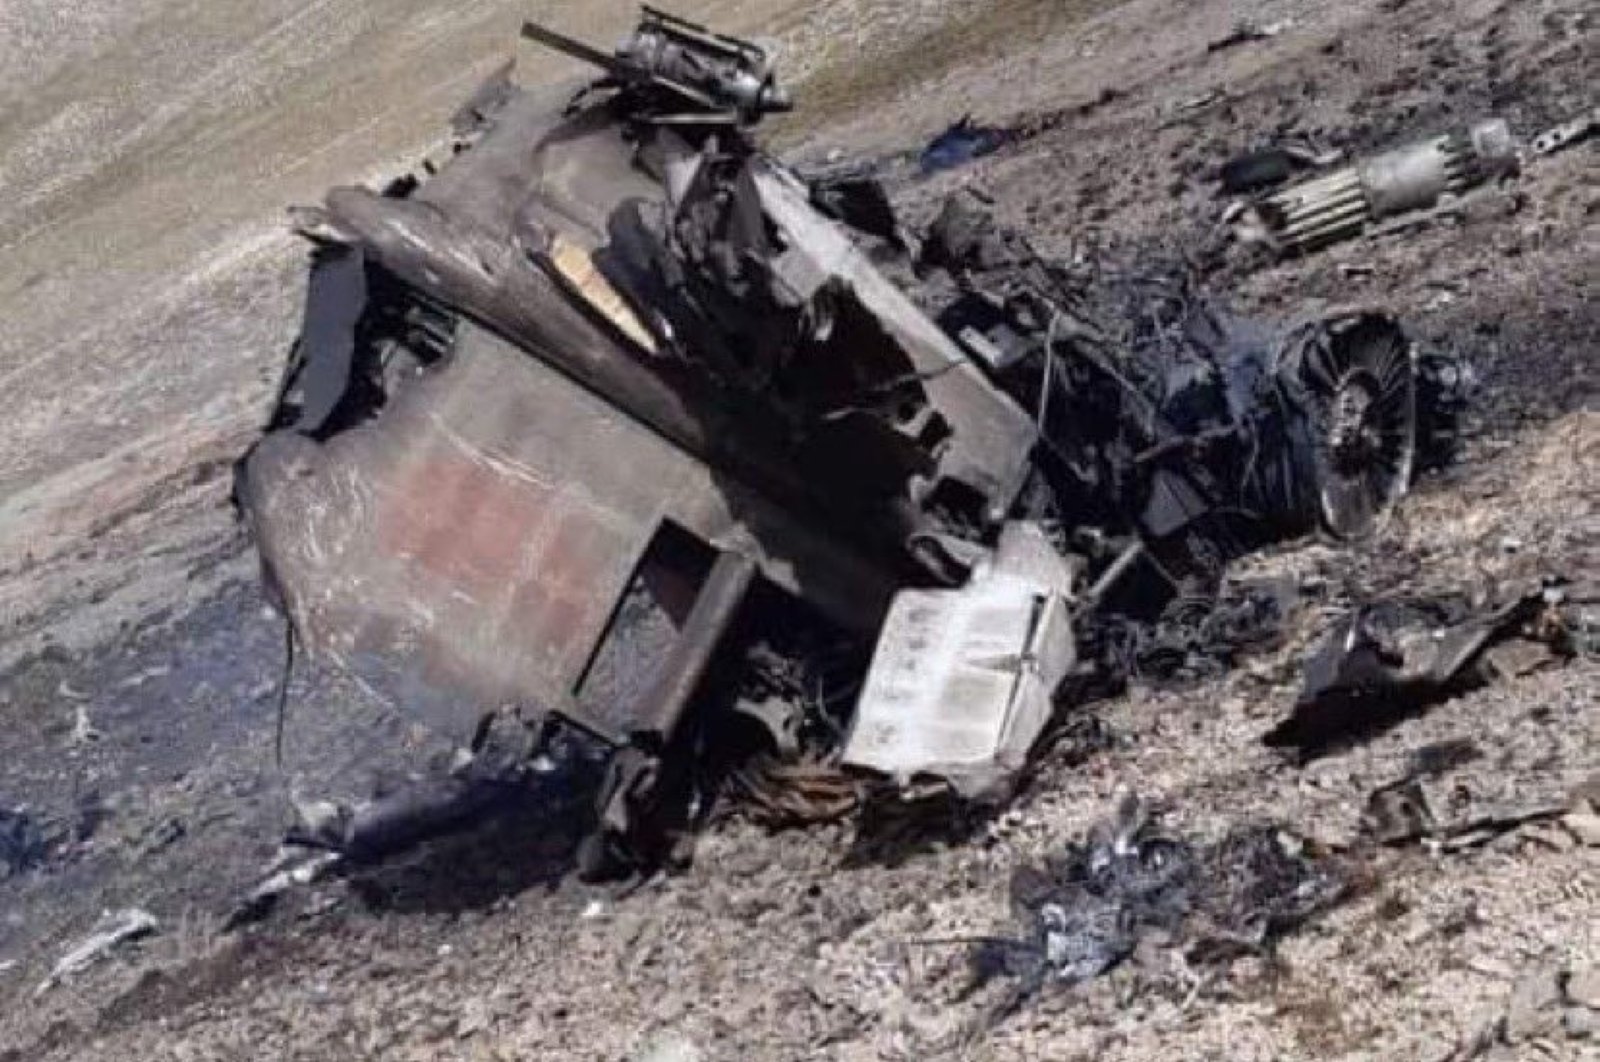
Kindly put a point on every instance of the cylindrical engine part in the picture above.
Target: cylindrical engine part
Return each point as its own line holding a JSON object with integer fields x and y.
{"x": 1340, "y": 204}
{"x": 1411, "y": 178}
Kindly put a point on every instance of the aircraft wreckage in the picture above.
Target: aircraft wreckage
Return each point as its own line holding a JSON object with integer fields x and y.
{"x": 615, "y": 418}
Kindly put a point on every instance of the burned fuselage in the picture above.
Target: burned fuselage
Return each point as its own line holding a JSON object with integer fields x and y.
{"x": 562, "y": 411}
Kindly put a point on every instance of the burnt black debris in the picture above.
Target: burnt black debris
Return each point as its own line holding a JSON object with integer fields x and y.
{"x": 591, "y": 410}
{"x": 1270, "y": 165}
{"x": 1392, "y": 659}
{"x": 1088, "y": 909}
{"x": 1162, "y": 415}
{"x": 1245, "y": 32}
{"x": 1196, "y": 636}
{"x": 512, "y": 767}
{"x": 1255, "y": 170}
{"x": 962, "y": 142}
{"x": 22, "y": 841}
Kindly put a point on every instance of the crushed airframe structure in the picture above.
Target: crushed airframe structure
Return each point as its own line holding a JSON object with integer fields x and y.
{"x": 596, "y": 415}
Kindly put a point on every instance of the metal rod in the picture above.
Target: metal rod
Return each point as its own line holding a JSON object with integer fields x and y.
{"x": 575, "y": 48}
{"x": 1110, "y": 577}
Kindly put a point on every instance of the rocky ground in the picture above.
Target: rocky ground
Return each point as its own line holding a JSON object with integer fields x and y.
{"x": 147, "y": 150}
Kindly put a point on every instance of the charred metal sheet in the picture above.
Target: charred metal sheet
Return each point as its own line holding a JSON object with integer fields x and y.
{"x": 465, "y": 548}
{"x": 991, "y": 438}
{"x": 924, "y": 429}
{"x": 1390, "y": 659}
{"x": 492, "y": 280}
{"x": 336, "y": 299}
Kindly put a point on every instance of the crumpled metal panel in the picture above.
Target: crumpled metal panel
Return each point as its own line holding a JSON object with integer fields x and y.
{"x": 962, "y": 681}
{"x": 466, "y": 547}
{"x": 992, "y": 441}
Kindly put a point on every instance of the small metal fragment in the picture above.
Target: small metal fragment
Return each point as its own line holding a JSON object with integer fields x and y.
{"x": 112, "y": 931}
{"x": 1566, "y": 134}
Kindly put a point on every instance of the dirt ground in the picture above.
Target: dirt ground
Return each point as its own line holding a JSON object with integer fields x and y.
{"x": 146, "y": 154}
